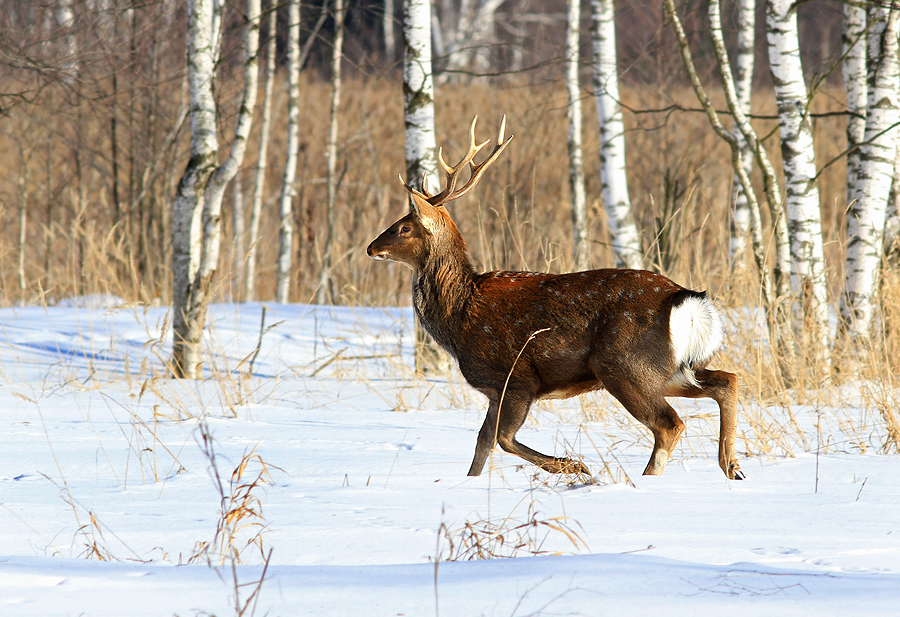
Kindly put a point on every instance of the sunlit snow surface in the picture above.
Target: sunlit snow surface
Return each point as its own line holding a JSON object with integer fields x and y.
{"x": 100, "y": 456}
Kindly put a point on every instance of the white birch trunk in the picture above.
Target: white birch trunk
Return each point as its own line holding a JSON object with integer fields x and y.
{"x": 808, "y": 281}
{"x": 867, "y": 214}
{"x": 387, "y": 26}
{"x": 23, "y": 226}
{"x": 743, "y": 87}
{"x": 239, "y": 223}
{"x": 470, "y": 45}
{"x": 421, "y": 159}
{"x": 249, "y": 289}
{"x": 225, "y": 173}
{"x": 188, "y": 202}
{"x": 418, "y": 94}
{"x": 326, "y": 293}
{"x": 198, "y": 201}
{"x": 777, "y": 318}
{"x": 576, "y": 158}
{"x": 626, "y": 241}
{"x": 65, "y": 18}
{"x": 892, "y": 224}
{"x": 288, "y": 191}
{"x": 855, "y": 82}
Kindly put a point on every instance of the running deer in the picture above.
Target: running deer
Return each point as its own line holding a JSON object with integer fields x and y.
{"x": 523, "y": 336}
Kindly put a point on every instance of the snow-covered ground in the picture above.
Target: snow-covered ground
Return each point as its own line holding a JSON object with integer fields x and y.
{"x": 113, "y": 479}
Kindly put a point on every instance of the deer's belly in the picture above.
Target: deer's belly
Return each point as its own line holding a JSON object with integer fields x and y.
{"x": 570, "y": 390}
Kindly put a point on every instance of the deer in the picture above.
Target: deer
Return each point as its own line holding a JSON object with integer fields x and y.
{"x": 519, "y": 337}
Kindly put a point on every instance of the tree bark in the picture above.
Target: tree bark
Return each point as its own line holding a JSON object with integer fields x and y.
{"x": 743, "y": 87}
{"x": 387, "y": 26}
{"x": 198, "y": 201}
{"x": 808, "y": 281}
{"x": 892, "y": 224}
{"x": 778, "y": 319}
{"x": 421, "y": 162}
{"x": 259, "y": 187}
{"x": 288, "y": 191}
{"x": 867, "y": 213}
{"x": 581, "y": 247}
{"x": 238, "y": 251}
{"x": 853, "y": 40}
{"x": 469, "y": 46}
{"x": 326, "y": 293}
{"x": 626, "y": 240}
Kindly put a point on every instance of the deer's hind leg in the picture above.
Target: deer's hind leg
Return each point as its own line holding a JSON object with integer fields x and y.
{"x": 722, "y": 387}
{"x": 654, "y": 412}
{"x": 503, "y": 431}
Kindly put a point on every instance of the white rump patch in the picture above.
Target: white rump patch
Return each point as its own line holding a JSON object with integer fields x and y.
{"x": 697, "y": 334}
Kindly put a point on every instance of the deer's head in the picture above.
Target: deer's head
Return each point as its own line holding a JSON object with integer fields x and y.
{"x": 428, "y": 228}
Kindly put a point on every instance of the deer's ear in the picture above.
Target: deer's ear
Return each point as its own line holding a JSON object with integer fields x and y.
{"x": 424, "y": 209}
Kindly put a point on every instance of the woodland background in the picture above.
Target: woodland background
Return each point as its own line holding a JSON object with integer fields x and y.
{"x": 94, "y": 136}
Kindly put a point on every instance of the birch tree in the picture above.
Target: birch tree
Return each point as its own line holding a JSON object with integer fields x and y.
{"x": 808, "y": 282}
{"x": 892, "y": 225}
{"x": 418, "y": 110}
{"x": 197, "y": 206}
{"x": 576, "y": 157}
{"x": 288, "y": 190}
{"x": 249, "y": 289}
{"x": 326, "y": 293}
{"x": 778, "y": 319}
{"x": 387, "y": 27}
{"x": 626, "y": 241}
{"x": 867, "y": 213}
{"x": 743, "y": 87}
{"x": 418, "y": 93}
{"x": 853, "y": 41}
{"x": 466, "y": 40}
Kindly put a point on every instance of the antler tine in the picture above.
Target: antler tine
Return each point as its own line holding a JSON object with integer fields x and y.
{"x": 476, "y": 170}
{"x": 449, "y": 193}
{"x": 412, "y": 189}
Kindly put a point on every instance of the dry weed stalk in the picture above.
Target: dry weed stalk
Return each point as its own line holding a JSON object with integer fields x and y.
{"x": 510, "y": 537}
{"x": 240, "y": 510}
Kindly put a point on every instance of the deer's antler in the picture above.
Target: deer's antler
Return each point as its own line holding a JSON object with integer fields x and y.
{"x": 450, "y": 192}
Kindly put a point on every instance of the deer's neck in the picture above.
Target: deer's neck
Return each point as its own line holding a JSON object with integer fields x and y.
{"x": 441, "y": 294}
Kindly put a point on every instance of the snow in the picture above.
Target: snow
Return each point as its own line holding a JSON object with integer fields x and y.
{"x": 106, "y": 492}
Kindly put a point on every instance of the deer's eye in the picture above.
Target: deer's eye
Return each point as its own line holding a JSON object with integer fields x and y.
{"x": 405, "y": 229}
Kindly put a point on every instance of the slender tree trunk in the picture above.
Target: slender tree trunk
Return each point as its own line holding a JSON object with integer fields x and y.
{"x": 743, "y": 86}
{"x": 808, "y": 281}
{"x": 198, "y": 201}
{"x": 23, "y": 222}
{"x": 65, "y": 18}
{"x": 387, "y": 26}
{"x": 469, "y": 47}
{"x": 288, "y": 191}
{"x": 581, "y": 247}
{"x": 853, "y": 41}
{"x": 188, "y": 203}
{"x": 892, "y": 224}
{"x": 259, "y": 187}
{"x": 239, "y": 222}
{"x": 626, "y": 240}
{"x": 326, "y": 293}
{"x": 421, "y": 162}
{"x": 778, "y": 319}
{"x": 418, "y": 93}
{"x": 867, "y": 213}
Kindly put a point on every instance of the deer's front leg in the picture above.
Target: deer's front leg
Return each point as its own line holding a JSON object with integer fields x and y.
{"x": 487, "y": 437}
{"x": 516, "y": 404}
